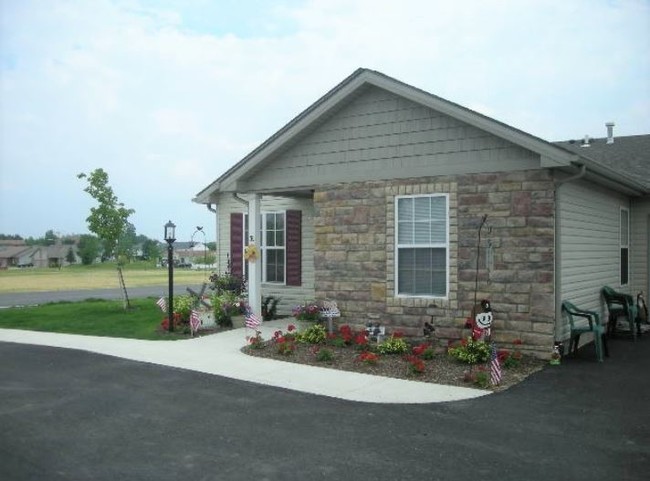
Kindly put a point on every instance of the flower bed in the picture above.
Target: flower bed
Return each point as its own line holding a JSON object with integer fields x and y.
{"x": 395, "y": 357}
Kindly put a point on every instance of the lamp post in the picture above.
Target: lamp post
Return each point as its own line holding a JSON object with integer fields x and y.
{"x": 170, "y": 237}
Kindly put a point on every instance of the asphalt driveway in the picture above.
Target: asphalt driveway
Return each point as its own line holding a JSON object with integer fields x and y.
{"x": 73, "y": 415}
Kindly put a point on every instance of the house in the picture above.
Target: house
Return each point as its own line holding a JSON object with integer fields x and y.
{"x": 36, "y": 256}
{"x": 378, "y": 194}
{"x": 190, "y": 252}
{"x": 23, "y": 256}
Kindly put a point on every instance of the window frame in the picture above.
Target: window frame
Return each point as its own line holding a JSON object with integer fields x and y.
{"x": 264, "y": 248}
{"x": 431, "y": 245}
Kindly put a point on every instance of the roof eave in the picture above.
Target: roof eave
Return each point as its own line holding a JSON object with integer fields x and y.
{"x": 550, "y": 155}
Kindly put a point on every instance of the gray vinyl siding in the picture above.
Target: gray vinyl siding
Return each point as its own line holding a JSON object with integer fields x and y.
{"x": 589, "y": 248}
{"x": 290, "y": 295}
{"x": 379, "y": 135}
{"x": 640, "y": 247}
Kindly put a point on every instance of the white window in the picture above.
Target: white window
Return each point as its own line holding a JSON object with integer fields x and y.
{"x": 273, "y": 247}
{"x": 422, "y": 240}
{"x": 625, "y": 245}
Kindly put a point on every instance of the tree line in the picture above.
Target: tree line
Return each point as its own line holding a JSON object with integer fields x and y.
{"x": 112, "y": 235}
{"x": 90, "y": 248}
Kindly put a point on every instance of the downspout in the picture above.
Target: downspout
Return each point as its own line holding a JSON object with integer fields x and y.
{"x": 240, "y": 200}
{"x": 559, "y": 328}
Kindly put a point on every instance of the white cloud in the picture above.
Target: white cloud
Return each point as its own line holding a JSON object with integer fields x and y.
{"x": 175, "y": 92}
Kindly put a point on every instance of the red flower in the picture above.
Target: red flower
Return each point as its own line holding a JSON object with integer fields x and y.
{"x": 503, "y": 354}
{"x": 398, "y": 334}
{"x": 345, "y": 329}
{"x": 291, "y": 328}
{"x": 468, "y": 323}
{"x": 417, "y": 364}
{"x": 517, "y": 341}
{"x": 367, "y": 357}
{"x": 361, "y": 339}
{"x": 419, "y": 350}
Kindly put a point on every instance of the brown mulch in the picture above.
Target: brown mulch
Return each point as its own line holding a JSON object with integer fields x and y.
{"x": 442, "y": 369}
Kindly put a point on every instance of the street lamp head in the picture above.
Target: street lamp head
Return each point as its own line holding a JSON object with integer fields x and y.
{"x": 170, "y": 232}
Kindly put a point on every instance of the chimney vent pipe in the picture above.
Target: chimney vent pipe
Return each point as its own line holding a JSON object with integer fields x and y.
{"x": 610, "y": 132}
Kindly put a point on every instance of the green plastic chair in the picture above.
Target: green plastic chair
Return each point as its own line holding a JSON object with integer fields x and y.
{"x": 620, "y": 304}
{"x": 580, "y": 326}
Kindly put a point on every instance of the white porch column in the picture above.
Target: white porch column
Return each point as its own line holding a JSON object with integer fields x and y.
{"x": 255, "y": 268}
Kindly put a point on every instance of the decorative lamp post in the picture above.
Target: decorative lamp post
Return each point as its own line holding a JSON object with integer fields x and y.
{"x": 170, "y": 237}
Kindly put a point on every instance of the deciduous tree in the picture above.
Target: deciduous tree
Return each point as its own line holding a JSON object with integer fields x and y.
{"x": 109, "y": 219}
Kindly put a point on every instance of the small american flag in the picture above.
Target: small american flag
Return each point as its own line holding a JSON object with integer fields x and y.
{"x": 252, "y": 321}
{"x": 195, "y": 321}
{"x": 162, "y": 303}
{"x": 495, "y": 367}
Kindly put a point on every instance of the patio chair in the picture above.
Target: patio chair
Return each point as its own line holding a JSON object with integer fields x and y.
{"x": 620, "y": 304}
{"x": 589, "y": 321}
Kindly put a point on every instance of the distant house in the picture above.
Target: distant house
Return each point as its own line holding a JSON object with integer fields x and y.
{"x": 190, "y": 252}
{"x": 23, "y": 256}
{"x": 375, "y": 196}
{"x": 36, "y": 256}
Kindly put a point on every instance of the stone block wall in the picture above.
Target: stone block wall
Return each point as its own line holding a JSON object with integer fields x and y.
{"x": 354, "y": 257}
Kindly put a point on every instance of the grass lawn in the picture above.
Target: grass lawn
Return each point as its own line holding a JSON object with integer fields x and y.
{"x": 101, "y": 276}
{"x": 91, "y": 317}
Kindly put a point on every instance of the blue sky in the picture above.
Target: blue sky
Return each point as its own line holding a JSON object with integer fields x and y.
{"x": 166, "y": 95}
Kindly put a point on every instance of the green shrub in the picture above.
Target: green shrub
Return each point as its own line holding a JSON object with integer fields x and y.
{"x": 183, "y": 307}
{"x": 269, "y": 307}
{"x": 225, "y": 306}
{"x": 393, "y": 345}
{"x": 324, "y": 355}
{"x": 471, "y": 351}
{"x": 315, "y": 334}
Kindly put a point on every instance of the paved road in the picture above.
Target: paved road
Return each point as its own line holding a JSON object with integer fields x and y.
{"x": 72, "y": 415}
{"x": 31, "y": 298}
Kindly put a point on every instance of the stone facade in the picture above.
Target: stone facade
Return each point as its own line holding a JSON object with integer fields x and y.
{"x": 354, "y": 256}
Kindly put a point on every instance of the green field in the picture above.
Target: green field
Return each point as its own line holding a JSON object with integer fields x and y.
{"x": 101, "y": 276}
{"x": 92, "y": 317}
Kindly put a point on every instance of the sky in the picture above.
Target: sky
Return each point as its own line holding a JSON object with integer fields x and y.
{"x": 167, "y": 95}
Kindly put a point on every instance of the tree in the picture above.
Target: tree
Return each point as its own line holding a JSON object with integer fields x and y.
{"x": 89, "y": 249}
{"x": 127, "y": 242}
{"x": 109, "y": 219}
{"x": 70, "y": 257}
{"x": 50, "y": 238}
{"x": 150, "y": 249}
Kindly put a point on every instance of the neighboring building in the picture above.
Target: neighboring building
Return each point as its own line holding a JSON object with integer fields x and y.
{"x": 375, "y": 195}
{"x": 36, "y": 256}
{"x": 190, "y": 252}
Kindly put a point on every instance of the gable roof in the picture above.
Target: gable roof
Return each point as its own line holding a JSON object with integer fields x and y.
{"x": 551, "y": 155}
{"x": 627, "y": 155}
{"x": 15, "y": 251}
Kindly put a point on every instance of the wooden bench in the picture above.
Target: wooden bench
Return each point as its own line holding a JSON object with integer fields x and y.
{"x": 587, "y": 321}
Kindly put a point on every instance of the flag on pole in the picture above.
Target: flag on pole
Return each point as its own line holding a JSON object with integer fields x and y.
{"x": 252, "y": 321}
{"x": 495, "y": 367}
{"x": 195, "y": 321}
{"x": 162, "y": 303}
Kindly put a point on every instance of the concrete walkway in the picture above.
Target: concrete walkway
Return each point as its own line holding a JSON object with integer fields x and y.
{"x": 220, "y": 354}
